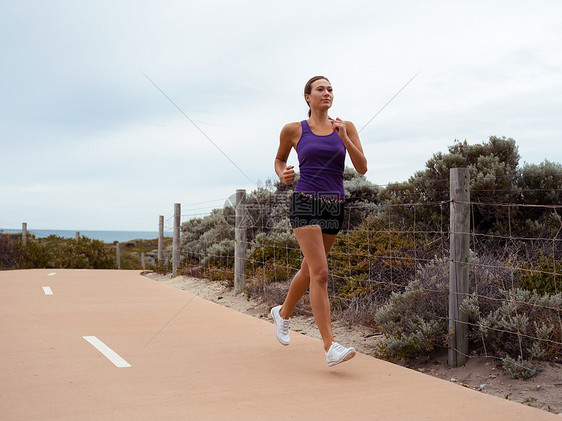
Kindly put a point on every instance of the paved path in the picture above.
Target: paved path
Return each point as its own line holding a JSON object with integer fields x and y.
{"x": 191, "y": 359}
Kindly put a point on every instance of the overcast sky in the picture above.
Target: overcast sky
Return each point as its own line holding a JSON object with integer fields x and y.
{"x": 88, "y": 142}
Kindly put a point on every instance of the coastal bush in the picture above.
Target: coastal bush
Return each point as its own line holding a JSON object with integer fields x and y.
{"x": 214, "y": 273}
{"x": 131, "y": 261}
{"x": 410, "y": 325}
{"x": 206, "y": 239}
{"x": 515, "y": 325}
{"x": 542, "y": 276}
{"x": 58, "y": 252}
{"x": 540, "y": 184}
{"x": 131, "y": 254}
{"x": 495, "y": 178}
{"x": 10, "y": 252}
{"x": 414, "y": 321}
{"x": 266, "y": 207}
{"x": 275, "y": 257}
{"x": 220, "y": 254}
{"x": 519, "y": 323}
{"x": 520, "y": 368}
{"x": 361, "y": 198}
{"x": 371, "y": 262}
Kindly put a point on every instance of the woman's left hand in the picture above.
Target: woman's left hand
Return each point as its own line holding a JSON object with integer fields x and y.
{"x": 350, "y": 138}
{"x": 339, "y": 126}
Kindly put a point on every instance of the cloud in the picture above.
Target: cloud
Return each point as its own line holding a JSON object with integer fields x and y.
{"x": 104, "y": 149}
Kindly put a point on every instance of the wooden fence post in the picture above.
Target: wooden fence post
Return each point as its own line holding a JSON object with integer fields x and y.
{"x": 24, "y": 233}
{"x": 240, "y": 242}
{"x": 459, "y": 232}
{"x": 77, "y": 236}
{"x": 161, "y": 239}
{"x": 143, "y": 265}
{"x": 176, "y": 240}
{"x": 118, "y": 254}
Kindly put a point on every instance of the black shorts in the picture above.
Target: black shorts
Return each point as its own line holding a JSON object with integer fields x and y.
{"x": 306, "y": 209}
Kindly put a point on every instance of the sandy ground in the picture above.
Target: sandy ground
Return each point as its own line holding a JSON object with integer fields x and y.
{"x": 543, "y": 391}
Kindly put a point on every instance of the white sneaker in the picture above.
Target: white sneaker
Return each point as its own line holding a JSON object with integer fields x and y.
{"x": 281, "y": 325}
{"x": 338, "y": 354}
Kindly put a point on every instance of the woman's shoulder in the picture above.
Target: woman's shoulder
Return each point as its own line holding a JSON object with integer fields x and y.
{"x": 292, "y": 128}
{"x": 350, "y": 126}
{"x": 291, "y": 132}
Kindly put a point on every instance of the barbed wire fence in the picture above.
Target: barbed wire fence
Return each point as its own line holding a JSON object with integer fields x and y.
{"x": 383, "y": 248}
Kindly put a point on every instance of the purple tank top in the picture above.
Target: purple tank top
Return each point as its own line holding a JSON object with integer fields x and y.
{"x": 321, "y": 164}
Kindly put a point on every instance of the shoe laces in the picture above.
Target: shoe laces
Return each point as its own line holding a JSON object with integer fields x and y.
{"x": 285, "y": 326}
{"x": 337, "y": 347}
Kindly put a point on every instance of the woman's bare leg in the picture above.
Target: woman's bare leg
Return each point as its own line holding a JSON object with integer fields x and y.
{"x": 299, "y": 285}
{"x": 312, "y": 243}
{"x": 301, "y": 281}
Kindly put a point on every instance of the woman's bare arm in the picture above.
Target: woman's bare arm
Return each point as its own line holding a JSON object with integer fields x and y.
{"x": 288, "y": 139}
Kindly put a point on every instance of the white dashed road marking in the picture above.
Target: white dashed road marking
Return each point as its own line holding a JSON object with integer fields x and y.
{"x": 52, "y": 273}
{"x": 48, "y": 290}
{"x": 107, "y": 352}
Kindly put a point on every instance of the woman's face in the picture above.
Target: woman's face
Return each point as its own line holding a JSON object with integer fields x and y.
{"x": 321, "y": 95}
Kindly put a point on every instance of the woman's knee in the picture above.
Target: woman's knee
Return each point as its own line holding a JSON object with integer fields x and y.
{"x": 319, "y": 275}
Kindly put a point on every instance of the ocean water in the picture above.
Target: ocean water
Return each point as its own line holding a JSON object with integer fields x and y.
{"x": 105, "y": 236}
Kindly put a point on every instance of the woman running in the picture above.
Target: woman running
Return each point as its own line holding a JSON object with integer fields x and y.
{"x": 317, "y": 206}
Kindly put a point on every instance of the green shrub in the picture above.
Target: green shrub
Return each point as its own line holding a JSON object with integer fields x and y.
{"x": 411, "y": 323}
{"x": 520, "y": 369}
{"x": 10, "y": 252}
{"x": 220, "y": 254}
{"x": 58, "y": 252}
{"x": 502, "y": 322}
{"x": 130, "y": 261}
{"x": 205, "y": 239}
{"x": 545, "y": 276}
{"x": 521, "y": 322}
{"x": 275, "y": 257}
{"x": 373, "y": 261}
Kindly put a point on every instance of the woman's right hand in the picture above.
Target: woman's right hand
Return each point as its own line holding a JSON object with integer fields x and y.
{"x": 290, "y": 135}
{"x": 288, "y": 175}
